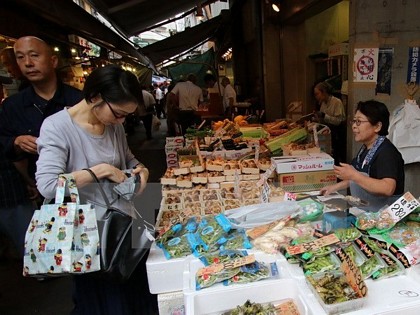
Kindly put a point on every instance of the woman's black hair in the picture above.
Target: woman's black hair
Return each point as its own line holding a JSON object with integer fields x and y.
{"x": 375, "y": 112}
{"x": 113, "y": 84}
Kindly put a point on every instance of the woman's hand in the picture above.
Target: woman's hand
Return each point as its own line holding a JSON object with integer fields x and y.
{"x": 143, "y": 172}
{"x": 110, "y": 172}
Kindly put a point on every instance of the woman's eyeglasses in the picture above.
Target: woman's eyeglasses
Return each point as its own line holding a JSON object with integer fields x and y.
{"x": 357, "y": 122}
{"x": 117, "y": 116}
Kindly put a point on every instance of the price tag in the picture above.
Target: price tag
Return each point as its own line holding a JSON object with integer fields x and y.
{"x": 236, "y": 185}
{"x": 313, "y": 245}
{"x": 288, "y": 196}
{"x": 257, "y": 154}
{"x": 266, "y": 175}
{"x": 265, "y": 194}
{"x": 316, "y": 141}
{"x": 403, "y": 207}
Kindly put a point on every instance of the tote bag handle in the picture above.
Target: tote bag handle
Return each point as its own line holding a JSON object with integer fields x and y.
{"x": 68, "y": 179}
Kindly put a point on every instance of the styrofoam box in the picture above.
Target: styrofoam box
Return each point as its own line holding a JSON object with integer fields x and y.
{"x": 165, "y": 275}
{"x": 393, "y": 296}
{"x": 213, "y": 300}
{"x": 224, "y": 298}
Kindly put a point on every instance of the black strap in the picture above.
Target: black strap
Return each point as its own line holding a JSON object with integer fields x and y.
{"x": 95, "y": 179}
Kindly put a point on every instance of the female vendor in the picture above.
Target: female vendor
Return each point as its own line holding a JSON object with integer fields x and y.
{"x": 376, "y": 174}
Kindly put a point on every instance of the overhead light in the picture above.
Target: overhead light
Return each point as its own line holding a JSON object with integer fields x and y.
{"x": 275, "y": 5}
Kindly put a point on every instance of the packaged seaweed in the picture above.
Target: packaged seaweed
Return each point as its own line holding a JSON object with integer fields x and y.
{"x": 237, "y": 239}
{"x": 253, "y": 272}
{"x": 392, "y": 267}
{"x": 178, "y": 246}
{"x": 322, "y": 264}
{"x": 370, "y": 266}
{"x": 212, "y": 231}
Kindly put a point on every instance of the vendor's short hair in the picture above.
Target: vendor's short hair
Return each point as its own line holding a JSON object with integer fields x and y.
{"x": 375, "y": 112}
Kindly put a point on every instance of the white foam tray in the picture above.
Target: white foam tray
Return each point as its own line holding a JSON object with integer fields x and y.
{"x": 165, "y": 275}
{"x": 217, "y": 300}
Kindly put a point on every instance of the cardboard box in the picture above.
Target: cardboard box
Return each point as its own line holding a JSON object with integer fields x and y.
{"x": 306, "y": 181}
{"x": 304, "y": 163}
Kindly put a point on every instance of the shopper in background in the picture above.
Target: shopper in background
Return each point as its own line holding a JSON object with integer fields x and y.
{"x": 159, "y": 96}
{"x": 23, "y": 113}
{"x": 212, "y": 84}
{"x": 229, "y": 96}
{"x": 186, "y": 96}
{"x": 376, "y": 174}
{"x": 332, "y": 113}
{"x": 145, "y": 111}
{"x": 172, "y": 112}
{"x": 94, "y": 138}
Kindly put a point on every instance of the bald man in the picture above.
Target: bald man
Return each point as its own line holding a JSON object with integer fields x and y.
{"x": 22, "y": 114}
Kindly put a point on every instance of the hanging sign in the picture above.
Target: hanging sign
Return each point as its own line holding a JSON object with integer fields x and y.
{"x": 365, "y": 64}
{"x": 413, "y": 65}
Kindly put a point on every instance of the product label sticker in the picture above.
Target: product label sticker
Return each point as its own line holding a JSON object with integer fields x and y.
{"x": 403, "y": 207}
{"x": 352, "y": 273}
{"x": 234, "y": 263}
{"x": 313, "y": 245}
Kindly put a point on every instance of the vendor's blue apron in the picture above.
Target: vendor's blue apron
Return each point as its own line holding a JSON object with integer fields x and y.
{"x": 375, "y": 202}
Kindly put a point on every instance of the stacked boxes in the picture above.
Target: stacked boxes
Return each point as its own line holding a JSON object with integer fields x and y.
{"x": 171, "y": 147}
{"x": 305, "y": 173}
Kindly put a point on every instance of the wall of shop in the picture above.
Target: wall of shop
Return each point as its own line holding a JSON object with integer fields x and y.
{"x": 385, "y": 24}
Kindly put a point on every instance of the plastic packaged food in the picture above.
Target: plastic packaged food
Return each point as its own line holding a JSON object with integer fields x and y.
{"x": 366, "y": 221}
{"x": 311, "y": 209}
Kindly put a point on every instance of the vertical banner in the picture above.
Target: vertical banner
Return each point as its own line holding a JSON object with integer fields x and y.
{"x": 413, "y": 65}
{"x": 383, "y": 85}
{"x": 365, "y": 64}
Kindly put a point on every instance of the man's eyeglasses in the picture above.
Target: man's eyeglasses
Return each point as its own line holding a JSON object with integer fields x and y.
{"x": 117, "y": 116}
{"x": 357, "y": 122}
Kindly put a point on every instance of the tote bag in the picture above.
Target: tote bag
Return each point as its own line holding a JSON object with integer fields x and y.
{"x": 62, "y": 238}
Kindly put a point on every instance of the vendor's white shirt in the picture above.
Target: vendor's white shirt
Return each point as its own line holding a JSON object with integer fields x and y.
{"x": 228, "y": 93}
{"x": 189, "y": 95}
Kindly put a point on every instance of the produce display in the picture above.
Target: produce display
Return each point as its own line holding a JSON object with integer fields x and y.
{"x": 226, "y": 173}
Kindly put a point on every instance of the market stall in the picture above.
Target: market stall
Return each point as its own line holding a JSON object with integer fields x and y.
{"x": 241, "y": 225}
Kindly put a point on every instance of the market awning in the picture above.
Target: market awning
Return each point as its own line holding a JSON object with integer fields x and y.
{"x": 133, "y": 16}
{"x": 181, "y": 42}
{"x": 61, "y": 18}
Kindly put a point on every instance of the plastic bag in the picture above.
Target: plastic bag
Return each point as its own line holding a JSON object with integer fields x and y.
{"x": 155, "y": 123}
{"x": 255, "y": 215}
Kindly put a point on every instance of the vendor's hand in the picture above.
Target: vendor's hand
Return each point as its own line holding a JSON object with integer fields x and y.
{"x": 143, "y": 172}
{"x": 344, "y": 171}
{"x": 328, "y": 190}
{"x": 26, "y": 143}
{"x": 320, "y": 114}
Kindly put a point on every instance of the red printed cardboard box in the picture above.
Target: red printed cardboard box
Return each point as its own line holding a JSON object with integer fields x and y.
{"x": 303, "y": 163}
{"x": 306, "y": 181}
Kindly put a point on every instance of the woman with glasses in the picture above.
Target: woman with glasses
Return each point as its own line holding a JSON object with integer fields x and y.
{"x": 91, "y": 135}
{"x": 331, "y": 113}
{"x": 376, "y": 174}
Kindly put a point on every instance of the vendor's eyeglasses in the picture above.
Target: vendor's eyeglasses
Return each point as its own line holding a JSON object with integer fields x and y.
{"x": 357, "y": 122}
{"x": 117, "y": 116}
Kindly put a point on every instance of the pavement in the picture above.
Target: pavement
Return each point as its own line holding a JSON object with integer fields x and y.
{"x": 26, "y": 296}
